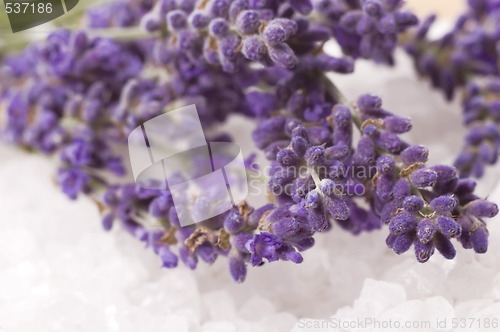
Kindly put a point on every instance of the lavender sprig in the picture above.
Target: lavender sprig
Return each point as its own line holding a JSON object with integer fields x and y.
{"x": 79, "y": 97}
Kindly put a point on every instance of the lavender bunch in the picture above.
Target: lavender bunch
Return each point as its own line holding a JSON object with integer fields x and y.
{"x": 367, "y": 28}
{"x": 469, "y": 50}
{"x": 77, "y": 96}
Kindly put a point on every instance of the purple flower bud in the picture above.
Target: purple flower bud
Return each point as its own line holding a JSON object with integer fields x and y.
{"x": 443, "y": 203}
{"x": 342, "y": 119}
{"x": 233, "y": 221}
{"x": 385, "y": 183}
{"x": 313, "y": 200}
{"x": 317, "y": 219}
{"x": 299, "y": 145}
{"x": 219, "y": 8}
{"x": 254, "y": 48}
{"x": 387, "y": 24}
{"x": 373, "y": 8}
{"x": 350, "y": 19}
{"x": 278, "y": 31}
{"x": 315, "y": 156}
{"x": 423, "y": 251}
{"x": 365, "y": 25}
{"x": 287, "y": 157}
{"x": 73, "y": 181}
{"x": 405, "y": 19}
{"x": 366, "y": 150}
{"x": 337, "y": 152}
{"x": 176, "y": 19}
{"x": 290, "y": 125}
{"x": 386, "y": 164}
{"x": 482, "y": 209}
{"x": 444, "y": 246}
{"x": 444, "y": 173}
{"x": 206, "y": 252}
{"x": 168, "y": 258}
{"x": 107, "y": 221}
{"x": 199, "y": 20}
{"x": 426, "y": 230}
{"x": 389, "y": 141}
{"x": 237, "y": 267}
{"x": 403, "y": 222}
{"x": 160, "y": 206}
{"x": 336, "y": 206}
{"x": 288, "y": 253}
{"x": 284, "y": 227}
{"x": 397, "y": 125}
{"x": 300, "y": 131}
{"x": 424, "y": 177}
{"x": 188, "y": 259}
{"x": 413, "y": 203}
{"x": 218, "y": 27}
{"x": 367, "y": 103}
{"x": 283, "y": 56}
{"x": 479, "y": 240}
{"x": 339, "y": 65}
{"x": 488, "y": 152}
{"x": 302, "y": 6}
{"x": 448, "y": 226}
{"x": 403, "y": 242}
{"x": 248, "y": 22}
{"x": 414, "y": 154}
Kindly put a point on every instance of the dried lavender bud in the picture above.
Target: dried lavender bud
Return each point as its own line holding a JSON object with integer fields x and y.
{"x": 278, "y": 31}
{"x": 403, "y": 242}
{"x": 233, "y": 221}
{"x": 414, "y": 154}
{"x": 386, "y": 164}
{"x": 176, "y": 19}
{"x": 218, "y": 27}
{"x": 479, "y": 240}
{"x": 413, "y": 203}
{"x": 480, "y": 208}
{"x": 403, "y": 222}
{"x": 299, "y": 145}
{"x": 254, "y": 48}
{"x": 448, "y": 226}
{"x": 385, "y": 184}
{"x": 283, "y": 56}
{"x": 401, "y": 189}
{"x": 342, "y": 119}
{"x": 337, "y": 152}
{"x": 315, "y": 156}
{"x": 443, "y": 204}
{"x": 248, "y": 22}
{"x": 423, "y": 178}
{"x": 397, "y": 125}
{"x": 423, "y": 251}
{"x": 366, "y": 150}
{"x": 287, "y": 157}
{"x": 426, "y": 230}
{"x": 444, "y": 246}
{"x": 302, "y": 6}
{"x": 237, "y": 266}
